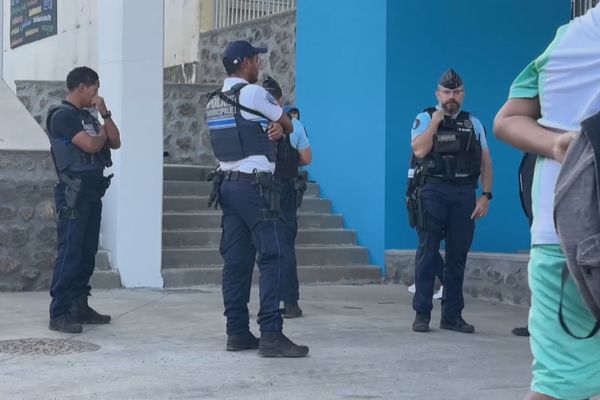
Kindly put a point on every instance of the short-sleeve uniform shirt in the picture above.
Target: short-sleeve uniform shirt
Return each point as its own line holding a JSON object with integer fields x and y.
{"x": 566, "y": 78}
{"x": 256, "y": 98}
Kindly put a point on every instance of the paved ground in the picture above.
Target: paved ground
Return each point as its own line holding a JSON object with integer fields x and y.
{"x": 170, "y": 345}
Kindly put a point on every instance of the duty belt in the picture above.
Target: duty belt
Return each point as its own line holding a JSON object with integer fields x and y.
{"x": 462, "y": 181}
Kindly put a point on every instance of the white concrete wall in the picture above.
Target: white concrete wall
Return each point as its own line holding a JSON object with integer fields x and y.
{"x": 130, "y": 67}
{"x": 53, "y": 57}
{"x": 77, "y": 40}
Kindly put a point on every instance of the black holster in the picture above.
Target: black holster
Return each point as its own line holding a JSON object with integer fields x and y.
{"x": 300, "y": 187}
{"x": 103, "y": 184}
{"x": 216, "y": 177}
{"x": 414, "y": 203}
{"x": 72, "y": 196}
{"x": 269, "y": 189}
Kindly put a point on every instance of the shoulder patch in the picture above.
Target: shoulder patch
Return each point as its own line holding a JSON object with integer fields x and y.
{"x": 271, "y": 99}
{"x": 417, "y": 123}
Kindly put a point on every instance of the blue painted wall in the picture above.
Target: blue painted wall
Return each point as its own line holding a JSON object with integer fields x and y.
{"x": 341, "y": 50}
{"x": 488, "y": 43}
{"x": 364, "y": 70}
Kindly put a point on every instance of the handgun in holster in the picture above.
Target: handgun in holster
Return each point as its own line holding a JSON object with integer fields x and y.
{"x": 216, "y": 177}
{"x": 104, "y": 184}
{"x": 268, "y": 188}
{"x": 300, "y": 187}
{"x": 72, "y": 196}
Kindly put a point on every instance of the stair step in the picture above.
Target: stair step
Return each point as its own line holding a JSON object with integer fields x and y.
{"x": 202, "y": 188}
{"x": 200, "y": 203}
{"x": 187, "y": 221}
{"x": 355, "y": 274}
{"x": 306, "y": 255}
{"x": 105, "y": 280}
{"x": 176, "y": 172}
{"x": 102, "y": 261}
{"x": 212, "y": 237}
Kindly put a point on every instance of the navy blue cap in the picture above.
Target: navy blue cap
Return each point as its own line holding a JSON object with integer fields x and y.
{"x": 240, "y": 49}
{"x": 450, "y": 80}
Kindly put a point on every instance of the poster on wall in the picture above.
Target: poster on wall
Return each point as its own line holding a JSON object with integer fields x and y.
{"x": 31, "y": 20}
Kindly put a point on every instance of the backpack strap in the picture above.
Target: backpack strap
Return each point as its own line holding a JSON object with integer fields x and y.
{"x": 591, "y": 130}
{"x": 236, "y": 89}
{"x": 595, "y": 329}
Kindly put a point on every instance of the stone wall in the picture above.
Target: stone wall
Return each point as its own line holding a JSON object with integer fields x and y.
{"x": 496, "y": 277}
{"x": 276, "y": 32}
{"x": 27, "y": 220}
{"x": 186, "y": 138}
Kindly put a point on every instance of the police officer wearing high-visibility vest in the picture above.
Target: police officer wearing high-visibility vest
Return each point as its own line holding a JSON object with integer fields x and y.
{"x": 451, "y": 147}
{"x": 245, "y": 123}
{"x": 80, "y": 147}
{"x": 293, "y": 150}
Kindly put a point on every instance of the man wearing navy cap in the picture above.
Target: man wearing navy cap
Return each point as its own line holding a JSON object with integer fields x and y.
{"x": 245, "y": 122}
{"x": 451, "y": 148}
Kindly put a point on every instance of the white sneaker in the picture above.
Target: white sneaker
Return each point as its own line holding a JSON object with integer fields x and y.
{"x": 412, "y": 288}
{"x": 439, "y": 293}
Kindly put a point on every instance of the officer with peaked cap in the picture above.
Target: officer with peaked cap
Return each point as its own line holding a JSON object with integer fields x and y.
{"x": 451, "y": 148}
{"x": 245, "y": 122}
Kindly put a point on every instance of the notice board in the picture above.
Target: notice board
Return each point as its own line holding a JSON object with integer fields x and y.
{"x": 31, "y": 20}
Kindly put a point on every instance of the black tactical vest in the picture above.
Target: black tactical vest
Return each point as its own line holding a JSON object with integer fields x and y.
{"x": 233, "y": 137}
{"x": 456, "y": 150}
{"x": 288, "y": 159}
{"x": 67, "y": 156}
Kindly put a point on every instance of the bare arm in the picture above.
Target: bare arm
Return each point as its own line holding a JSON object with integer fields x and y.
{"x": 305, "y": 156}
{"x": 486, "y": 171}
{"x": 88, "y": 143}
{"x": 110, "y": 128}
{"x": 422, "y": 144}
{"x": 516, "y": 124}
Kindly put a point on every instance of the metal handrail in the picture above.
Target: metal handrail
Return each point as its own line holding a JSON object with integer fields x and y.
{"x": 231, "y": 12}
{"x": 580, "y": 7}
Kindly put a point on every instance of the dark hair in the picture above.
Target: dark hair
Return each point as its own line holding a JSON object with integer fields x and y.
{"x": 232, "y": 65}
{"x": 294, "y": 110}
{"x": 273, "y": 87}
{"x": 81, "y": 75}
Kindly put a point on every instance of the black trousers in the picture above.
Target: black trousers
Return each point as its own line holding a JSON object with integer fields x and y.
{"x": 247, "y": 235}
{"x": 77, "y": 248}
{"x": 290, "y": 286}
{"x": 448, "y": 210}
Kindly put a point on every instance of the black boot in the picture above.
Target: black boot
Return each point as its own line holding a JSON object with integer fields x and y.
{"x": 246, "y": 341}
{"x": 291, "y": 310}
{"x": 457, "y": 325}
{"x": 63, "y": 323}
{"x": 421, "y": 322}
{"x": 521, "y": 331}
{"x": 84, "y": 314}
{"x": 276, "y": 344}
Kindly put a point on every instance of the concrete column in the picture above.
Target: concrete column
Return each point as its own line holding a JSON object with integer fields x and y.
{"x": 1, "y": 39}
{"x": 130, "y": 61}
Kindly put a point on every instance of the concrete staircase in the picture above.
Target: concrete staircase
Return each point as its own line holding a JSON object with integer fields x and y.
{"x": 326, "y": 252}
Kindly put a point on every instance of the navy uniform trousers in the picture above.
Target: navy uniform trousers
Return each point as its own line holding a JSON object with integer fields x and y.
{"x": 77, "y": 247}
{"x": 247, "y": 235}
{"x": 448, "y": 210}
{"x": 290, "y": 287}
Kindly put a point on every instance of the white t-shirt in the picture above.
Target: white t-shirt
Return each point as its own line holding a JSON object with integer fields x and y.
{"x": 566, "y": 77}
{"x": 256, "y": 98}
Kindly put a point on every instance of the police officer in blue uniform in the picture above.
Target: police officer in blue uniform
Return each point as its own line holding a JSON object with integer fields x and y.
{"x": 451, "y": 147}
{"x": 244, "y": 123}
{"x": 80, "y": 147}
{"x": 293, "y": 150}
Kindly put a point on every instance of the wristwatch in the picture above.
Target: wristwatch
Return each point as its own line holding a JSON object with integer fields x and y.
{"x": 489, "y": 195}
{"x": 107, "y": 115}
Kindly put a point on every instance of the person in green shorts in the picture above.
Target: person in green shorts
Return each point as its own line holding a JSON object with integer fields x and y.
{"x": 547, "y": 102}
